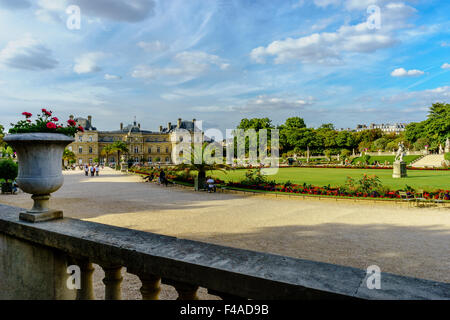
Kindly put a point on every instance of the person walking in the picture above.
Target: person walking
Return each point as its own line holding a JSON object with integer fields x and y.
{"x": 211, "y": 185}
{"x": 92, "y": 170}
{"x": 97, "y": 170}
{"x": 86, "y": 170}
{"x": 162, "y": 177}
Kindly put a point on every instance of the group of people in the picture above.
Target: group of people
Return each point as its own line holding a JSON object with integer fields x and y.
{"x": 162, "y": 177}
{"x": 93, "y": 170}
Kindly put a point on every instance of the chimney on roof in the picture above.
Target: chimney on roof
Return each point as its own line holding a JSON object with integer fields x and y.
{"x": 139, "y": 125}
{"x": 160, "y": 128}
{"x": 169, "y": 126}
{"x": 179, "y": 123}
{"x": 90, "y": 119}
{"x": 121, "y": 126}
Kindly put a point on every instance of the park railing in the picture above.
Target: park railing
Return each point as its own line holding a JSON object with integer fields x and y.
{"x": 34, "y": 258}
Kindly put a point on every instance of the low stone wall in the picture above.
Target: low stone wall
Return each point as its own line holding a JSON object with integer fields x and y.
{"x": 34, "y": 257}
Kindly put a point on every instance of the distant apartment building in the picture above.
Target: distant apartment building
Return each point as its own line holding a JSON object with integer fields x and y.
{"x": 385, "y": 127}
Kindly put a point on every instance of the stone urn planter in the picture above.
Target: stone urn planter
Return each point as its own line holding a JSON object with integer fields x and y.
{"x": 40, "y": 170}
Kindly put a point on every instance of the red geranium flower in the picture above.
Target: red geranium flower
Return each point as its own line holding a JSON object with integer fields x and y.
{"x": 27, "y": 114}
{"x": 81, "y": 128}
{"x": 71, "y": 122}
{"x": 55, "y": 119}
{"x": 51, "y": 125}
{"x": 47, "y": 113}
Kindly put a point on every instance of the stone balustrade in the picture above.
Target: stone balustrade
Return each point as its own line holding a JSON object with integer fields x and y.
{"x": 34, "y": 258}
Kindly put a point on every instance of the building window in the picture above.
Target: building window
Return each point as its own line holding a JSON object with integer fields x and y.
{"x": 149, "y": 150}
{"x": 80, "y": 138}
{"x": 90, "y": 138}
{"x": 80, "y": 150}
{"x": 150, "y": 159}
{"x": 158, "y": 150}
{"x": 167, "y": 159}
{"x": 181, "y": 139}
{"x": 167, "y": 150}
{"x": 90, "y": 149}
{"x": 136, "y": 149}
{"x": 136, "y": 159}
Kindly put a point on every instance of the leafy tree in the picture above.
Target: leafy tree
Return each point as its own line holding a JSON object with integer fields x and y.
{"x": 255, "y": 123}
{"x": 106, "y": 151}
{"x": 345, "y": 153}
{"x": 421, "y": 143}
{"x": 436, "y": 128}
{"x": 2, "y": 134}
{"x": 68, "y": 156}
{"x": 8, "y": 170}
{"x": 120, "y": 147}
{"x": 328, "y": 126}
{"x": 197, "y": 163}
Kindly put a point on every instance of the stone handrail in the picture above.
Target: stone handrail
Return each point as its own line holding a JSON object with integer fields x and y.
{"x": 187, "y": 265}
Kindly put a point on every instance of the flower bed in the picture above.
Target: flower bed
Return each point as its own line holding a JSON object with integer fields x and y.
{"x": 347, "y": 167}
{"x": 336, "y": 192}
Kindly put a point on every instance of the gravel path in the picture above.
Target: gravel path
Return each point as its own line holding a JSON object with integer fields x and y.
{"x": 401, "y": 240}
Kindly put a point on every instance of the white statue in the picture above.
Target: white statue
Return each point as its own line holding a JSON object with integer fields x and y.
{"x": 441, "y": 151}
{"x": 400, "y": 152}
{"x": 447, "y": 145}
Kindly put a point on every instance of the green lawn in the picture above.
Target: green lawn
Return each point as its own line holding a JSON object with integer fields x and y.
{"x": 389, "y": 159}
{"x": 425, "y": 179}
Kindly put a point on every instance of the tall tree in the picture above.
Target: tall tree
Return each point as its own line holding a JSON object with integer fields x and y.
{"x": 121, "y": 148}
{"x": 2, "y": 143}
{"x": 106, "y": 151}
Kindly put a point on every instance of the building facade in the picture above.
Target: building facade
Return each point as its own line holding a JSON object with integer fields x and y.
{"x": 144, "y": 146}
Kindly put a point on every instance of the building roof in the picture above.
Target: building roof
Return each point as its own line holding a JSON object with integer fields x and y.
{"x": 85, "y": 123}
{"x": 185, "y": 125}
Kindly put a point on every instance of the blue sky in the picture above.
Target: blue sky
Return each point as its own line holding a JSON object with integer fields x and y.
{"x": 223, "y": 60}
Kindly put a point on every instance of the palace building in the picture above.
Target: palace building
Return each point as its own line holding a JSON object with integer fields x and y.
{"x": 144, "y": 146}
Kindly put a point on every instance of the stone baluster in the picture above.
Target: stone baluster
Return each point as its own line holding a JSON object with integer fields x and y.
{"x": 150, "y": 287}
{"x": 185, "y": 291}
{"x": 113, "y": 279}
{"x": 225, "y": 296}
{"x": 86, "y": 292}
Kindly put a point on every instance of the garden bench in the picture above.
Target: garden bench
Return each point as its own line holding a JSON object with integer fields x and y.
{"x": 440, "y": 199}
{"x": 405, "y": 197}
{"x": 418, "y": 196}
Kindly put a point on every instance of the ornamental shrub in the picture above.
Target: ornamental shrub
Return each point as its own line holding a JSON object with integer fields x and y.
{"x": 8, "y": 170}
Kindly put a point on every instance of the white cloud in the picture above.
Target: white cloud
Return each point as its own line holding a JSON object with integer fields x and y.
{"x": 446, "y": 66}
{"x": 154, "y": 46}
{"x": 15, "y": 4}
{"x": 112, "y": 77}
{"x": 261, "y": 103}
{"x": 401, "y": 72}
{"x": 188, "y": 65}
{"x": 326, "y": 3}
{"x": 53, "y": 4}
{"x": 119, "y": 10}
{"x": 329, "y": 47}
{"x": 423, "y": 97}
{"x": 87, "y": 62}
{"x": 27, "y": 53}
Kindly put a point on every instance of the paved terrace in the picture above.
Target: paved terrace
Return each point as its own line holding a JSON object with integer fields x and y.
{"x": 400, "y": 240}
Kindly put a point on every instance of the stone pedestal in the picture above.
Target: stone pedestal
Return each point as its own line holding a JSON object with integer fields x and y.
{"x": 399, "y": 169}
